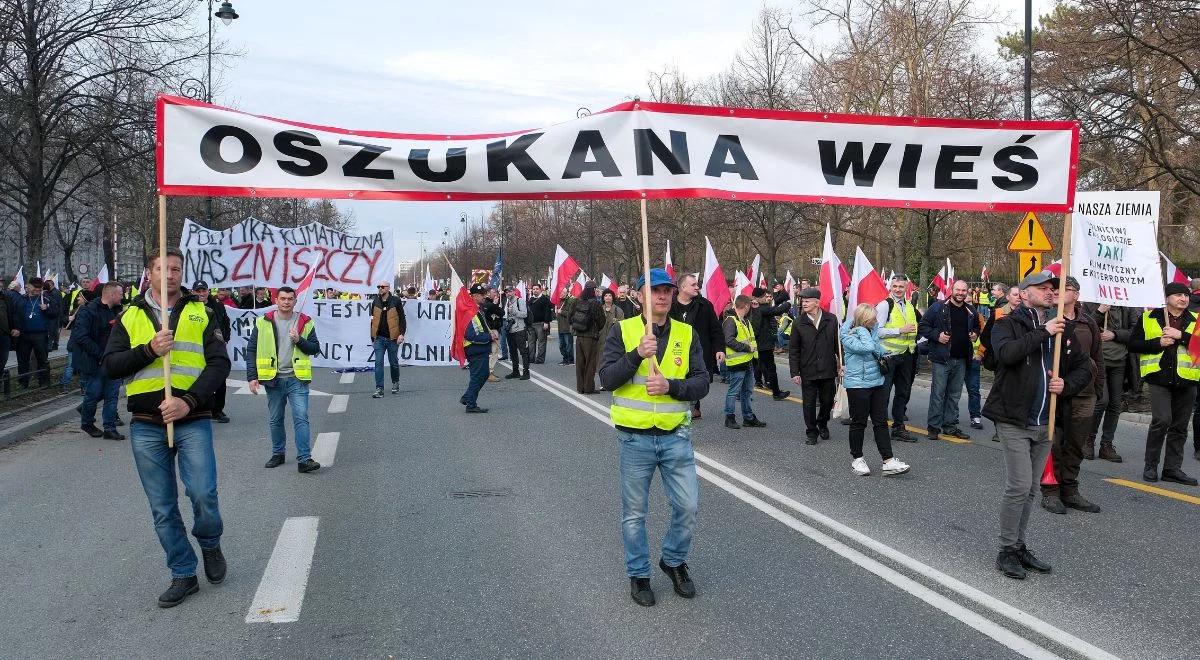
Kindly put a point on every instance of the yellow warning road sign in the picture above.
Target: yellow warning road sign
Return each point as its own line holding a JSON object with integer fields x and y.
{"x": 1030, "y": 236}
{"x": 1029, "y": 263}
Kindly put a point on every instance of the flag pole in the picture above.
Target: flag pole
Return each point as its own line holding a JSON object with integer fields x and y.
{"x": 162, "y": 306}
{"x": 1058, "y": 339}
{"x": 647, "y": 302}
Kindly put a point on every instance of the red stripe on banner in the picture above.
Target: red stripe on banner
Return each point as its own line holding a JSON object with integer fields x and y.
{"x": 675, "y": 193}
{"x": 159, "y": 140}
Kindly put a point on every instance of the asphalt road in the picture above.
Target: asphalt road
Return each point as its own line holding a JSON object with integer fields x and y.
{"x": 437, "y": 534}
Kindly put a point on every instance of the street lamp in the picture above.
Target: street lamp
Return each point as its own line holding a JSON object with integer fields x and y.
{"x": 227, "y": 16}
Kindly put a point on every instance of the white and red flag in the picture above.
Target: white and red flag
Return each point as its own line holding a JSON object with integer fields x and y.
{"x": 741, "y": 284}
{"x": 668, "y": 265}
{"x": 753, "y": 270}
{"x": 1055, "y": 267}
{"x": 985, "y": 273}
{"x": 762, "y": 280}
{"x": 939, "y": 281}
{"x": 465, "y": 309}
{"x": 563, "y": 271}
{"x": 715, "y": 288}
{"x": 866, "y": 285}
{"x": 789, "y": 285}
{"x": 1174, "y": 273}
{"x": 304, "y": 288}
{"x": 606, "y": 283}
{"x": 521, "y": 289}
{"x": 19, "y": 278}
{"x": 833, "y": 280}
{"x": 577, "y": 285}
{"x": 950, "y": 278}
{"x": 101, "y": 277}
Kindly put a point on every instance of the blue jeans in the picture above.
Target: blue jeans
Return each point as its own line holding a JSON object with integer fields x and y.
{"x": 944, "y": 391}
{"x": 288, "y": 391}
{"x": 383, "y": 344}
{"x": 198, "y": 471}
{"x": 69, "y": 370}
{"x": 478, "y": 368}
{"x": 740, "y": 389}
{"x": 566, "y": 346}
{"x": 974, "y": 401}
{"x": 672, "y": 455}
{"x": 96, "y": 388}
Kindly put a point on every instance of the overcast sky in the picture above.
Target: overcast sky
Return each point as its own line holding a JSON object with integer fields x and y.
{"x": 469, "y": 66}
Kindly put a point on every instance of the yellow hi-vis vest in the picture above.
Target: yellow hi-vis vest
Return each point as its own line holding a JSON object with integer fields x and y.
{"x": 732, "y": 357}
{"x": 901, "y": 316}
{"x": 187, "y": 355}
{"x": 479, "y": 327}
{"x": 1152, "y": 362}
{"x": 632, "y": 407}
{"x": 266, "y": 361}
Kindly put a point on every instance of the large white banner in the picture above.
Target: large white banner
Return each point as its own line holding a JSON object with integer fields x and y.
{"x": 254, "y": 253}
{"x": 632, "y": 150}
{"x": 1114, "y": 248}
{"x": 344, "y": 331}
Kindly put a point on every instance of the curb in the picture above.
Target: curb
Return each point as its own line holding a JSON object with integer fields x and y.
{"x": 15, "y": 434}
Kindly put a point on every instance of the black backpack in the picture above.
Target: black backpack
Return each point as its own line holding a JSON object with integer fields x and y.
{"x": 581, "y": 317}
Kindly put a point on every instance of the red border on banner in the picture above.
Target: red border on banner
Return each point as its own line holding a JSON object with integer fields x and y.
{"x": 635, "y": 106}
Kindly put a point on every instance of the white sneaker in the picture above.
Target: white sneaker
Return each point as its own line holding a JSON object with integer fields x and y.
{"x": 859, "y": 465}
{"x": 894, "y": 466}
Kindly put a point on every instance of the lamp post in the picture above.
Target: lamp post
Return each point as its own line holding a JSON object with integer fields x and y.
{"x": 227, "y": 16}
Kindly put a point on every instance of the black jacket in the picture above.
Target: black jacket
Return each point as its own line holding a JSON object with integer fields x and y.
{"x": 699, "y": 314}
{"x": 219, "y": 315}
{"x": 1168, "y": 375}
{"x": 493, "y": 313}
{"x": 618, "y": 366}
{"x": 89, "y": 336}
{"x": 764, "y": 320}
{"x": 122, "y": 361}
{"x": 1018, "y": 344}
{"x": 629, "y": 307}
{"x": 935, "y": 321}
{"x": 813, "y": 351}
{"x": 541, "y": 310}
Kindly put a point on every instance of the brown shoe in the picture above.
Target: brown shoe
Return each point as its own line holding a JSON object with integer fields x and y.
{"x": 1108, "y": 453}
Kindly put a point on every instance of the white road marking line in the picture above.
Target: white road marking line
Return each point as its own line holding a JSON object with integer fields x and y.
{"x": 347, "y": 378}
{"x": 338, "y": 403}
{"x": 325, "y": 448}
{"x": 992, "y": 603}
{"x": 281, "y": 592}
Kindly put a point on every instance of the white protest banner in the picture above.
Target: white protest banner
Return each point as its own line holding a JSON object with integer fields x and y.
{"x": 633, "y": 150}
{"x": 254, "y": 253}
{"x": 344, "y": 332}
{"x": 1114, "y": 248}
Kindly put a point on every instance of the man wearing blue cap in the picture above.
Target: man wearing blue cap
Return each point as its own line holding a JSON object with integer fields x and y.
{"x": 653, "y": 379}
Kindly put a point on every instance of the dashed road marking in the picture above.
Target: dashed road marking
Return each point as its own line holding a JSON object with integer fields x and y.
{"x": 338, "y": 403}
{"x": 325, "y": 448}
{"x": 281, "y": 592}
{"x": 347, "y": 378}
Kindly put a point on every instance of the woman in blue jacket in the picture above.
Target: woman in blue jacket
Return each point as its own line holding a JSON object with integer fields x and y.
{"x": 865, "y": 391}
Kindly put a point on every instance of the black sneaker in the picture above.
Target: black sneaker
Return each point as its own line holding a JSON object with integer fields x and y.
{"x": 275, "y": 461}
{"x": 933, "y": 432}
{"x": 308, "y": 466}
{"x": 220, "y": 418}
{"x": 476, "y": 409}
{"x": 395, "y": 388}
{"x": 214, "y": 565}
{"x": 1053, "y": 504}
{"x": 810, "y": 440}
{"x": 753, "y": 423}
{"x": 1009, "y": 563}
{"x": 731, "y": 422}
{"x": 120, "y": 422}
{"x": 113, "y": 435}
{"x": 1080, "y": 503}
{"x": 955, "y": 432}
{"x": 1030, "y": 562}
{"x": 679, "y": 578}
{"x": 524, "y": 376}
{"x": 513, "y": 376}
{"x": 1150, "y": 474}
{"x": 91, "y": 430}
{"x": 378, "y": 393}
{"x": 781, "y": 396}
{"x": 640, "y": 591}
{"x": 825, "y": 433}
{"x": 1178, "y": 476}
{"x": 901, "y": 434}
{"x": 179, "y": 590}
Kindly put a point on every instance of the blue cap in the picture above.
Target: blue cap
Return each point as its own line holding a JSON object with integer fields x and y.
{"x": 658, "y": 277}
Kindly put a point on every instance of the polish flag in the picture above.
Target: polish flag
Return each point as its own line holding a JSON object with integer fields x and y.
{"x": 939, "y": 281}
{"x": 762, "y": 280}
{"x": 465, "y": 309}
{"x": 950, "y": 278}
{"x": 521, "y": 290}
{"x": 833, "y": 282}
{"x": 715, "y": 288}
{"x": 145, "y": 280}
{"x": 1055, "y": 267}
{"x": 606, "y": 283}
{"x": 741, "y": 284}
{"x": 753, "y": 270}
{"x": 563, "y": 270}
{"x": 426, "y": 283}
{"x": 1174, "y": 274}
{"x": 866, "y": 286}
{"x": 983, "y": 274}
{"x": 19, "y": 278}
{"x": 304, "y": 288}
{"x": 101, "y": 277}
{"x": 668, "y": 265}
{"x": 577, "y": 285}
{"x": 789, "y": 285}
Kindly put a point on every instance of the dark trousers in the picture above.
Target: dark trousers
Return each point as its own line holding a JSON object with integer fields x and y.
{"x": 766, "y": 364}
{"x": 864, "y": 402}
{"x": 587, "y": 361}
{"x": 218, "y": 406}
{"x": 32, "y": 343}
{"x": 5, "y": 347}
{"x": 1108, "y": 407}
{"x": 897, "y": 383}
{"x": 99, "y": 390}
{"x": 1171, "y": 409}
{"x": 1196, "y": 426}
{"x": 1067, "y": 448}
{"x": 566, "y": 346}
{"x": 818, "y": 402}
{"x": 477, "y": 366}
{"x": 518, "y": 350}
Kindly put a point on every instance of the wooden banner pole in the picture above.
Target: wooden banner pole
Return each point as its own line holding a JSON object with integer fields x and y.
{"x": 647, "y": 301}
{"x": 1062, "y": 300}
{"x": 162, "y": 304}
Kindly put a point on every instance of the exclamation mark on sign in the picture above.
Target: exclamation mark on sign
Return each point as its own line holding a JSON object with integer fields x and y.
{"x": 1030, "y": 228}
